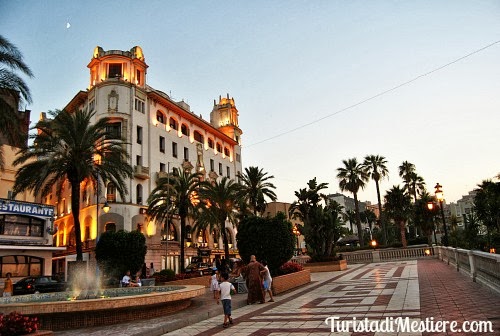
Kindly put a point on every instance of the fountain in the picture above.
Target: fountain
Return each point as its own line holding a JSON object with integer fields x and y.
{"x": 80, "y": 308}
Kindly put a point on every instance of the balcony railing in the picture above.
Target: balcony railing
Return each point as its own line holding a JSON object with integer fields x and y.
{"x": 141, "y": 172}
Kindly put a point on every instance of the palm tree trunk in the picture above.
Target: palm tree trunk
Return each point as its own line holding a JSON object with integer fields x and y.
{"x": 358, "y": 220}
{"x": 380, "y": 215}
{"x": 75, "y": 209}
{"x": 183, "y": 230}
{"x": 403, "y": 233}
{"x": 224, "y": 239}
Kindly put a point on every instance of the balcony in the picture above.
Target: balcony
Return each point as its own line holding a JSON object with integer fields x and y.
{"x": 141, "y": 172}
{"x": 160, "y": 175}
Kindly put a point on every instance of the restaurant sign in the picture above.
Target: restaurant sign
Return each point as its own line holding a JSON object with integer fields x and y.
{"x": 23, "y": 208}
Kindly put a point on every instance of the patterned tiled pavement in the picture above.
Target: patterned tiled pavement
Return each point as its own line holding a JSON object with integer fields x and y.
{"x": 407, "y": 289}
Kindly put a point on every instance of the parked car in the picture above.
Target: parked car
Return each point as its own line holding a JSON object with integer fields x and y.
{"x": 197, "y": 265}
{"x": 39, "y": 284}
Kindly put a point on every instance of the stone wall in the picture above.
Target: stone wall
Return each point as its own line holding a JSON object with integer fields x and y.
{"x": 202, "y": 281}
{"x": 331, "y": 266}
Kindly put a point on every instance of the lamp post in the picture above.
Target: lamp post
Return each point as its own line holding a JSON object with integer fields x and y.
{"x": 296, "y": 232}
{"x": 430, "y": 206}
{"x": 440, "y": 197}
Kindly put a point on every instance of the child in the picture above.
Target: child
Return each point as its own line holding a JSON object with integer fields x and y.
{"x": 214, "y": 283}
{"x": 267, "y": 281}
{"x": 226, "y": 289}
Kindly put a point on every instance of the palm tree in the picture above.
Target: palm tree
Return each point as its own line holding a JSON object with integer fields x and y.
{"x": 353, "y": 177}
{"x": 405, "y": 171}
{"x": 176, "y": 194}
{"x": 218, "y": 203}
{"x": 12, "y": 89}
{"x": 256, "y": 188}
{"x": 65, "y": 149}
{"x": 416, "y": 185}
{"x": 398, "y": 208}
{"x": 369, "y": 217}
{"x": 350, "y": 216}
{"x": 375, "y": 166}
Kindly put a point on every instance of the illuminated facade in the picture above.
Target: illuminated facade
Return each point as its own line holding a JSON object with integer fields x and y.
{"x": 161, "y": 134}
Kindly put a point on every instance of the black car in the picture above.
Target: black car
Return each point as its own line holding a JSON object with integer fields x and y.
{"x": 39, "y": 284}
{"x": 198, "y": 266}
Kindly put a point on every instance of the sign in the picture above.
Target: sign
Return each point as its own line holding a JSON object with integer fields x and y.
{"x": 204, "y": 253}
{"x": 23, "y": 208}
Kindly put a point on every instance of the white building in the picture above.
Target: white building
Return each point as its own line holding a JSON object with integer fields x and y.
{"x": 161, "y": 134}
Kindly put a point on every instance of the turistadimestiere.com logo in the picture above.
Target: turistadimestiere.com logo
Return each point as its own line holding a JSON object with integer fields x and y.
{"x": 406, "y": 325}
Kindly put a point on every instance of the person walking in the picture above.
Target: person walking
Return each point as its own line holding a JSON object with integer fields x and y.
{"x": 214, "y": 283}
{"x": 152, "y": 270}
{"x": 252, "y": 274}
{"x": 8, "y": 288}
{"x": 226, "y": 289}
{"x": 266, "y": 275}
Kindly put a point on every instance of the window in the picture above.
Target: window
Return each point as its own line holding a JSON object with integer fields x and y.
{"x": 138, "y": 77}
{"x": 173, "y": 124}
{"x": 21, "y": 265}
{"x": 238, "y": 157}
{"x": 111, "y": 192}
{"x": 138, "y": 160}
{"x": 212, "y": 165}
{"x": 110, "y": 227}
{"x": 115, "y": 129}
{"x": 139, "y": 134}
{"x": 139, "y": 105}
{"x": 198, "y": 137}
{"x": 174, "y": 149}
{"x": 115, "y": 70}
{"x": 162, "y": 167}
{"x": 138, "y": 191}
{"x": 162, "y": 144}
{"x": 228, "y": 172}
{"x": 186, "y": 153}
{"x": 184, "y": 129}
{"x": 226, "y": 151}
{"x": 219, "y": 148}
{"x": 211, "y": 143}
{"x": 19, "y": 225}
{"x": 220, "y": 168}
{"x": 92, "y": 105}
{"x": 160, "y": 117}
{"x": 87, "y": 233}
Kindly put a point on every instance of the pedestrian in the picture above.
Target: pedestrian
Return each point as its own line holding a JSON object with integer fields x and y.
{"x": 8, "y": 288}
{"x": 214, "y": 283}
{"x": 253, "y": 279}
{"x": 267, "y": 281}
{"x": 226, "y": 289}
{"x": 151, "y": 270}
{"x": 126, "y": 279}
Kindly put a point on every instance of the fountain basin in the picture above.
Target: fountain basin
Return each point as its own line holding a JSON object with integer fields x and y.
{"x": 56, "y": 312}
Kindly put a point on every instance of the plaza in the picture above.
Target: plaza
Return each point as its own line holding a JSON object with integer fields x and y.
{"x": 414, "y": 289}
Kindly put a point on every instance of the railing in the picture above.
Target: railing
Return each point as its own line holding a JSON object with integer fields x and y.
{"x": 482, "y": 267}
{"x": 390, "y": 254}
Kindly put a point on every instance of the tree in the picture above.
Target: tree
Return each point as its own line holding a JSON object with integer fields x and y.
{"x": 353, "y": 177}
{"x": 13, "y": 90}
{"x": 269, "y": 239}
{"x": 417, "y": 185}
{"x": 423, "y": 217}
{"x": 487, "y": 206}
{"x": 375, "y": 166}
{"x": 322, "y": 225}
{"x": 405, "y": 171}
{"x": 118, "y": 252}
{"x": 350, "y": 216}
{"x": 398, "y": 208}
{"x": 175, "y": 194}
{"x": 65, "y": 149}
{"x": 369, "y": 217}
{"x": 218, "y": 203}
{"x": 256, "y": 188}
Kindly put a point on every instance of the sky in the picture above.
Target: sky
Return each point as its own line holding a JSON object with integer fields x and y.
{"x": 315, "y": 82}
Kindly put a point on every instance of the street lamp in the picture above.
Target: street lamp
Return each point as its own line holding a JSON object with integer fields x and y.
{"x": 430, "y": 206}
{"x": 296, "y": 232}
{"x": 438, "y": 191}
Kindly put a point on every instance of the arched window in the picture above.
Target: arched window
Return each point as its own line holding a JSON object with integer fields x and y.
{"x": 226, "y": 151}
{"x": 138, "y": 193}
{"x": 172, "y": 233}
{"x": 160, "y": 116}
{"x": 198, "y": 137}
{"x": 184, "y": 129}
{"x": 111, "y": 192}
{"x": 71, "y": 237}
{"x": 219, "y": 148}
{"x": 210, "y": 143}
{"x": 110, "y": 227}
{"x": 229, "y": 236}
{"x": 173, "y": 124}
{"x": 188, "y": 232}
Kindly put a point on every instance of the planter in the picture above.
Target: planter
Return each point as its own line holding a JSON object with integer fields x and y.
{"x": 202, "y": 281}
{"x": 328, "y": 266}
{"x": 286, "y": 282}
